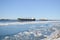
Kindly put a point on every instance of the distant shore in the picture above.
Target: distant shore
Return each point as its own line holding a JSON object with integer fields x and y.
{"x": 28, "y": 20}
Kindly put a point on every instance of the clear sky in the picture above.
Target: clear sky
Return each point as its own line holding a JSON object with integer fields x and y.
{"x": 30, "y": 8}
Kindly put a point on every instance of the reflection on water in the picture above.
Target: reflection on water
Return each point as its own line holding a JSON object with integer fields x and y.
{"x": 29, "y": 31}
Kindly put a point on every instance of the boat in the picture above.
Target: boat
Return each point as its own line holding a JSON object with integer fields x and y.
{"x": 26, "y": 19}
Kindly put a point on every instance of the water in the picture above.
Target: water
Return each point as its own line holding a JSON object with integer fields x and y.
{"x": 35, "y": 30}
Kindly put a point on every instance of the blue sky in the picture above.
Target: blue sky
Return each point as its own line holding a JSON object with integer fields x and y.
{"x": 30, "y": 8}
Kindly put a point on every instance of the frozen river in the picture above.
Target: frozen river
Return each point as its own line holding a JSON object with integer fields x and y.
{"x": 35, "y": 30}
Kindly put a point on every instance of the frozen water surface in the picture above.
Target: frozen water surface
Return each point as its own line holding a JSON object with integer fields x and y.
{"x": 39, "y": 30}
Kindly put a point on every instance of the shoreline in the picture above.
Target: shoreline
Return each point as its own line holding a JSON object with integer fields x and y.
{"x": 28, "y": 22}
